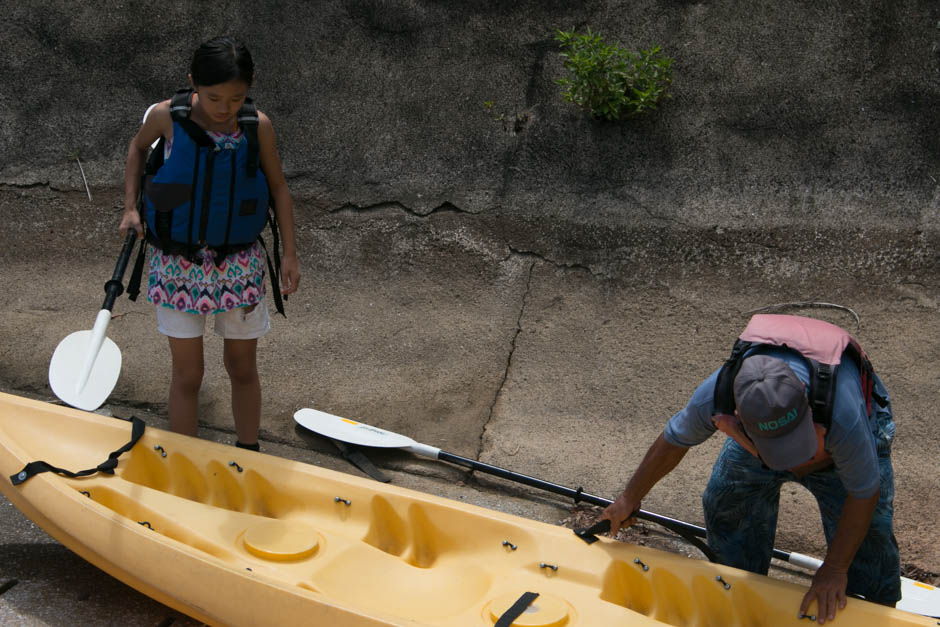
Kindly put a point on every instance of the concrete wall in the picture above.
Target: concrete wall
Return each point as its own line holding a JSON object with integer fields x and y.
{"x": 809, "y": 129}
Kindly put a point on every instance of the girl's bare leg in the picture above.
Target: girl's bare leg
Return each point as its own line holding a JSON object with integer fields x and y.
{"x": 242, "y": 367}
{"x": 186, "y": 379}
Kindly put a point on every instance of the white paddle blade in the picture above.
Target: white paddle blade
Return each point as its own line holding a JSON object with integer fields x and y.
{"x": 919, "y": 598}
{"x": 68, "y": 361}
{"x": 350, "y": 431}
{"x": 98, "y": 336}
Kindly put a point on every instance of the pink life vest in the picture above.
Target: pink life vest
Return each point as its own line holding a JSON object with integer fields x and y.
{"x": 822, "y": 345}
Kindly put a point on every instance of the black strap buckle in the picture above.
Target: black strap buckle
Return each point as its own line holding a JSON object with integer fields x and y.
{"x": 589, "y": 534}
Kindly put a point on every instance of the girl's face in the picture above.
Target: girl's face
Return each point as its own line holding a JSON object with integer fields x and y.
{"x": 221, "y": 102}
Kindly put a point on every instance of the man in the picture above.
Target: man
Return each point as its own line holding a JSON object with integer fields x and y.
{"x": 842, "y": 455}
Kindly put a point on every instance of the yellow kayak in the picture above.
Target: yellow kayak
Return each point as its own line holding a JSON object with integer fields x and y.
{"x": 234, "y": 537}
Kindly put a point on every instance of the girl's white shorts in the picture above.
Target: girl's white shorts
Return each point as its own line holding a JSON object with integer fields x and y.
{"x": 242, "y": 323}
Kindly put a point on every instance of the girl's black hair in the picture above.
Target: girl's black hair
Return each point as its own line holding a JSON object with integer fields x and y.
{"x": 221, "y": 60}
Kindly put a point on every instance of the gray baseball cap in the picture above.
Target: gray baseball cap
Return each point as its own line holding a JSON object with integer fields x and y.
{"x": 774, "y": 412}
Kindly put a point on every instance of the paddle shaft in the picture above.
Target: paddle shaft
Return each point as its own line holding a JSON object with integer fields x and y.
{"x": 112, "y": 289}
{"x": 115, "y": 287}
{"x": 579, "y": 495}
{"x": 689, "y": 531}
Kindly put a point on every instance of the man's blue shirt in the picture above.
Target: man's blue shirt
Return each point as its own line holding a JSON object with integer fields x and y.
{"x": 849, "y": 441}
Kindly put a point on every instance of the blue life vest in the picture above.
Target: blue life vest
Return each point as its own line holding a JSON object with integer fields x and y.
{"x": 204, "y": 195}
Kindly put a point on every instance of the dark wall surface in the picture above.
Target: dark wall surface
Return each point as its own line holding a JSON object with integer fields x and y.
{"x": 791, "y": 123}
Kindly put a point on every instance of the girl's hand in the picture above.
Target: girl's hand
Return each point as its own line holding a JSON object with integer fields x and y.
{"x": 290, "y": 274}
{"x": 131, "y": 220}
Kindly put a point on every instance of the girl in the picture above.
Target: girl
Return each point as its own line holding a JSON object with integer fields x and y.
{"x": 191, "y": 276}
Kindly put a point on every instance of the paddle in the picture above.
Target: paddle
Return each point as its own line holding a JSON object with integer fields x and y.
{"x": 918, "y": 597}
{"x": 85, "y": 365}
{"x": 353, "y": 432}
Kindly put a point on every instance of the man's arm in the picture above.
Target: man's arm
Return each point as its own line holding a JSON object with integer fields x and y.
{"x": 658, "y": 462}
{"x": 829, "y": 582}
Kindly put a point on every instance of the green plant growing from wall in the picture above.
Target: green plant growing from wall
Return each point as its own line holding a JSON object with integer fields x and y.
{"x": 609, "y": 82}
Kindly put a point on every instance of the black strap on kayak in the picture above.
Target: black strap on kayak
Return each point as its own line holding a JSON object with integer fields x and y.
{"x": 589, "y": 535}
{"x": 107, "y": 466}
{"x": 358, "y": 459}
{"x": 517, "y": 609}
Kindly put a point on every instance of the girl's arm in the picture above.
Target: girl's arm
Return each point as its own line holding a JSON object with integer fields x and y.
{"x": 157, "y": 124}
{"x": 283, "y": 206}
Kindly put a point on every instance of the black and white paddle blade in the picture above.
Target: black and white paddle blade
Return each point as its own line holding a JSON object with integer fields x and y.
{"x": 346, "y": 430}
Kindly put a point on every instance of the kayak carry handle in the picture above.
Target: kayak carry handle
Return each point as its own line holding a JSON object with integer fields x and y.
{"x": 589, "y": 534}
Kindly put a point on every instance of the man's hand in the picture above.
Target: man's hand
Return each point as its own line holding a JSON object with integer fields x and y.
{"x": 828, "y": 587}
{"x": 620, "y": 514}
{"x": 828, "y": 590}
{"x": 659, "y": 460}
{"x": 731, "y": 427}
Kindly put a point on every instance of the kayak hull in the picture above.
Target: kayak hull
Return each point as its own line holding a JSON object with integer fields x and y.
{"x": 234, "y": 537}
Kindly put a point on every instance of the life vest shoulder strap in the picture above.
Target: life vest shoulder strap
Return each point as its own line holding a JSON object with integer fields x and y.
{"x": 248, "y": 122}
{"x": 181, "y": 107}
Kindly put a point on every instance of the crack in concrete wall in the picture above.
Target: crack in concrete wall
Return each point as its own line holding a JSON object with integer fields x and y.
{"x": 395, "y": 204}
{"x": 8, "y": 585}
{"x": 558, "y": 264}
{"x": 9, "y": 185}
{"x": 512, "y": 348}
{"x": 448, "y": 207}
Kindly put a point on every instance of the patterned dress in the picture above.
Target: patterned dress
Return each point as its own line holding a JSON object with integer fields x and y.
{"x": 208, "y": 287}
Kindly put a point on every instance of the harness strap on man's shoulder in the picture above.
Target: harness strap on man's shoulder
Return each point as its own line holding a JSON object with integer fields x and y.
{"x": 724, "y": 385}
{"x": 822, "y": 390}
